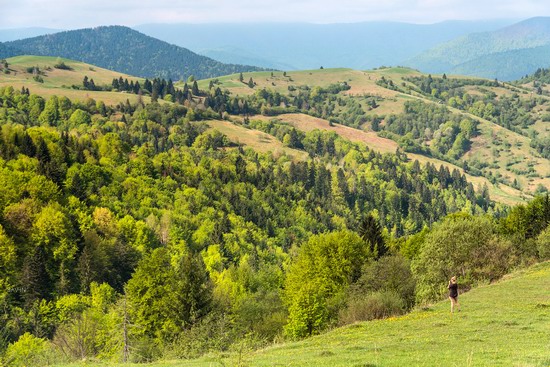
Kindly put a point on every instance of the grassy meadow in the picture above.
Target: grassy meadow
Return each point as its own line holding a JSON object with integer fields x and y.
{"x": 59, "y": 81}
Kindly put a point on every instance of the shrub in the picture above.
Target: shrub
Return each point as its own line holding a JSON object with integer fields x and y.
{"x": 27, "y": 351}
{"x": 376, "y": 305}
{"x": 543, "y": 244}
{"x": 61, "y": 65}
{"x": 390, "y": 273}
{"x": 212, "y": 333}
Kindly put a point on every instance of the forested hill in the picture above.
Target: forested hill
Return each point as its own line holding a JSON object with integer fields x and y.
{"x": 125, "y": 50}
{"x": 8, "y": 51}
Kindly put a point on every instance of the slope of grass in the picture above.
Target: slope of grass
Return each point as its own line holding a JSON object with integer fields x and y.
{"x": 504, "y": 324}
{"x": 507, "y": 324}
{"x": 59, "y": 82}
{"x": 257, "y": 140}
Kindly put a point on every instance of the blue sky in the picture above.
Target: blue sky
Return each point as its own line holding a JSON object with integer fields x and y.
{"x": 78, "y": 13}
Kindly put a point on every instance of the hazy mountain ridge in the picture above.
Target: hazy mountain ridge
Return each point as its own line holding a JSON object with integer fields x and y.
{"x": 507, "y": 53}
{"x": 309, "y": 46}
{"x": 126, "y": 50}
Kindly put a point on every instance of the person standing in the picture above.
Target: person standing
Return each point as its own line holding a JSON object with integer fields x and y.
{"x": 453, "y": 293}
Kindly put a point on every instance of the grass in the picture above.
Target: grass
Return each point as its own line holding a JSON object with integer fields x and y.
{"x": 504, "y": 324}
{"x": 59, "y": 82}
{"x": 255, "y": 139}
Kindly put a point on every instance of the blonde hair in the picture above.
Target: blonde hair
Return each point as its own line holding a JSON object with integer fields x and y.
{"x": 453, "y": 279}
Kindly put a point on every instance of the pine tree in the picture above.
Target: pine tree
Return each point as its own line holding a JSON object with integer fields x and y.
{"x": 371, "y": 233}
{"x": 251, "y": 83}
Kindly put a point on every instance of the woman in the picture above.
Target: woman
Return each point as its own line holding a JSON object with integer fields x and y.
{"x": 453, "y": 293}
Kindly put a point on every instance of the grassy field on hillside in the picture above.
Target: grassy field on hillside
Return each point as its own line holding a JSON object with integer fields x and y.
{"x": 59, "y": 81}
{"x": 255, "y": 139}
{"x": 504, "y": 324}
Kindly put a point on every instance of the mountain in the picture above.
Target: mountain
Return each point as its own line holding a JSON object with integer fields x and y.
{"x": 13, "y": 34}
{"x": 309, "y": 46}
{"x": 125, "y": 50}
{"x": 509, "y": 65}
{"x": 506, "y": 53}
{"x": 8, "y": 51}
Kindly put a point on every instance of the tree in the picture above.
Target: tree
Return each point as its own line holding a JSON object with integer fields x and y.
{"x": 371, "y": 233}
{"x": 164, "y": 303}
{"x": 241, "y": 77}
{"x": 50, "y": 115}
{"x": 318, "y": 278}
{"x": 251, "y": 83}
{"x": 195, "y": 89}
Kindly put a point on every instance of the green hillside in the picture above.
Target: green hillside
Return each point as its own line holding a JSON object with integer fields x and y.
{"x": 54, "y": 81}
{"x": 504, "y": 324}
{"x": 342, "y": 196}
{"x": 505, "y": 149}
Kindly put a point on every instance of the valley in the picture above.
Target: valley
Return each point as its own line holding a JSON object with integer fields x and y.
{"x": 162, "y": 208}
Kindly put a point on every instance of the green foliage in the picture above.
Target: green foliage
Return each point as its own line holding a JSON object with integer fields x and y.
{"x": 325, "y": 266}
{"x": 27, "y": 350}
{"x": 165, "y": 303}
{"x": 449, "y": 134}
{"x": 375, "y": 305}
{"x": 543, "y": 244}
{"x": 371, "y": 233}
{"x": 390, "y": 273}
{"x": 97, "y": 199}
{"x": 511, "y": 112}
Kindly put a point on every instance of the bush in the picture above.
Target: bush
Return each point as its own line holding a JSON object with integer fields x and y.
{"x": 390, "y": 273}
{"x": 61, "y": 65}
{"x": 213, "y": 333}
{"x": 543, "y": 244}
{"x": 29, "y": 351}
{"x": 376, "y": 305}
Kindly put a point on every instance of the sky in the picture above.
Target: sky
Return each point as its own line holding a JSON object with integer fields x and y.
{"x": 71, "y": 14}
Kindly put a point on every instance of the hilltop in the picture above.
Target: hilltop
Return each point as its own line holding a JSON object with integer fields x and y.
{"x": 127, "y": 51}
{"x": 54, "y": 81}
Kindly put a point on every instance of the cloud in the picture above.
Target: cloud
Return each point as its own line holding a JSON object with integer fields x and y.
{"x": 80, "y": 13}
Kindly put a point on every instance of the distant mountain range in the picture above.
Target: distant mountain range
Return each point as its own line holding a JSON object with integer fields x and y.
{"x": 125, "y": 50}
{"x": 507, "y": 53}
{"x": 294, "y": 46}
{"x": 492, "y": 49}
